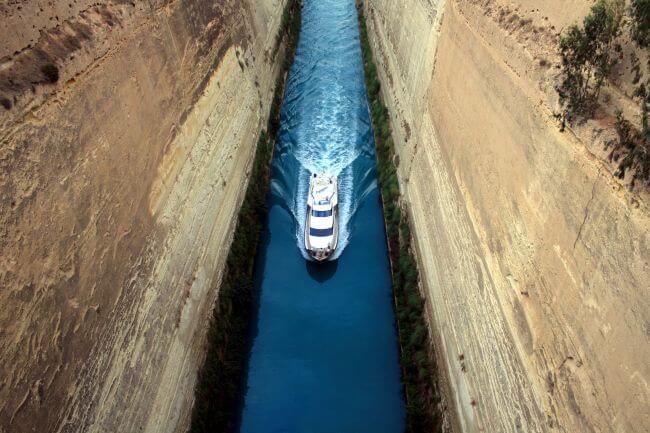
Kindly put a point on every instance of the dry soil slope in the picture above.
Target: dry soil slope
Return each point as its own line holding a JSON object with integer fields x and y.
{"x": 534, "y": 259}
{"x": 119, "y": 186}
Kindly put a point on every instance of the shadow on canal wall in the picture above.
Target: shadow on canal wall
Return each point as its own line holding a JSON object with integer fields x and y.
{"x": 425, "y": 411}
{"x": 220, "y": 384}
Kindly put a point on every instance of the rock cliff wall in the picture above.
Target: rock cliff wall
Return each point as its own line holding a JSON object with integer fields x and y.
{"x": 534, "y": 257}
{"x": 126, "y": 133}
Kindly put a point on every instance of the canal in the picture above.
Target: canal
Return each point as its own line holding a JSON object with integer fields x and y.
{"x": 324, "y": 355}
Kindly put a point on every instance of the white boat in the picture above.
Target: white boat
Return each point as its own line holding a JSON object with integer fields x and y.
{"x": 322, "y": 225}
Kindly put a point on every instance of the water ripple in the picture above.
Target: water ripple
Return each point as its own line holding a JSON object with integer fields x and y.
{"x": 324, "y": 122}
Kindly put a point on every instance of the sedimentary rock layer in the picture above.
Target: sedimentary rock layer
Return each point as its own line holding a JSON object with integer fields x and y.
{"x": 120, "y": 179}
{"x": 534, "y": 258}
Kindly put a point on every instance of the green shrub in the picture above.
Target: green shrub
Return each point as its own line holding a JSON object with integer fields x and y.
{"x": 640, "y": 22}
{"x": 587, "y": 58}
{"x": 643, "y": 93}
{"x": 290, "y": 28}
{"x": 50, "y": 72}
{"x": 220, "y": 380}
{"x": 636, "y": 146}
{"x": 417, "y": 360}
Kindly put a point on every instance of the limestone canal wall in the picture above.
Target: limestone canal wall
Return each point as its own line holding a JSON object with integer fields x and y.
{"x": 534, "y": 258}
{"x": 127, "y": 130}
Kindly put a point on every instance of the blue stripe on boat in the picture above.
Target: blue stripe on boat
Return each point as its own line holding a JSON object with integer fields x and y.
{"x": 321, "y": 232}
{"x": 321, "y": 213}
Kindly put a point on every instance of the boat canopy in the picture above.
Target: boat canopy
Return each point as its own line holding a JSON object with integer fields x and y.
{"x": 321, "y": 229}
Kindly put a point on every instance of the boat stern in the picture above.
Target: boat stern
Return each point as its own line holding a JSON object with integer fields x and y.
{"x": 320, "y": 255}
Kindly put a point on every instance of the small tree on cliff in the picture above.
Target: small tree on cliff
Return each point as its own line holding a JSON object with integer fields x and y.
{"x": 587, "y": 58}
{"x": 633, "y": 150}
{"x": 50, "y": 72}
{"x": 640, "y": 22}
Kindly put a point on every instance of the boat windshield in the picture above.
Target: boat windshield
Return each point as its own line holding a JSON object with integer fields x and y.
{"x": 321, "y": 232}
{"x": 322, "y": 213}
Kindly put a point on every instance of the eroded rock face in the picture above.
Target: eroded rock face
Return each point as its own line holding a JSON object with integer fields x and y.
{"x": 121, "y": 177}
{"x": 534, "y": 258}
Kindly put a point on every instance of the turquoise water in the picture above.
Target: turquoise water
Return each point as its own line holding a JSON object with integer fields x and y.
{"x": 324, "y": 357}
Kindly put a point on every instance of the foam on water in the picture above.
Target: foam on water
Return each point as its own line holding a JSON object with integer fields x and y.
{"x": 324, "y": 355}
{"x": 324, "y": 124}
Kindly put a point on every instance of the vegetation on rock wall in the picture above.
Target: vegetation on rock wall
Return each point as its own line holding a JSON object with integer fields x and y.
{"x": 631, "y": 151}
{"x": 640, "y": 23}
{"x": 219, "y": 384}
{"x": 587, "y": 58}
{"x": 424, "y": 411}
{"x": 50, "y": 72}
{"x": 588, "y": 54}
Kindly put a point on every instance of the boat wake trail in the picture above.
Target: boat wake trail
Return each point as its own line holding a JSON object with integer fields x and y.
{"x": 324, "y": 122}
{"x": 308, "y": 315}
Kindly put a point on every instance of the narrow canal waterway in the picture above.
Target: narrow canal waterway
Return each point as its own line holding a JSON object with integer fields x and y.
{"x": 324, "y": 356}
